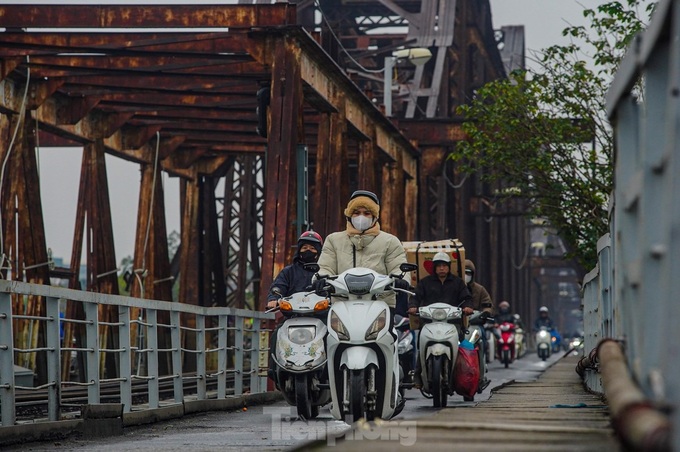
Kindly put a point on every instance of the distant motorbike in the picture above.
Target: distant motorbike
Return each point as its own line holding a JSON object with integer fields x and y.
{"x": 506, "y": 343}
{"x": 300, "y": 354}
{"x": 544, "y": 343}
{"x": 576, "y": 344}
{"x": 406, "y": 349}
{"x": 520, "y": 341}
{"x": 364, "y": 373}
{"x": 556, "y": 340}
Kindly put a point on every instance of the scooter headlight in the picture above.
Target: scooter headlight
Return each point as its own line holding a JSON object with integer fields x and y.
{"x": 339, "y": 327}
{"x": 301, "y": 334}
{"x": 376, "y": 327}
{"x": 439, "y": 314}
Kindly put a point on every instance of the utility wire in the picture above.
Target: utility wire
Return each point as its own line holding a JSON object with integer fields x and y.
{"x": 323, "y": 16}
{"x": 22, "y": 112}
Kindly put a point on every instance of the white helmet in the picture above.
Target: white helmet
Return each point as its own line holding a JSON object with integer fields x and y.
{"x": 543, "y": 309}
{"x": 442, "y": 257}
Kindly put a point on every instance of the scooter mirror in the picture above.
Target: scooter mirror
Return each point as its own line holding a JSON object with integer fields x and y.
{"x": 276, "y": 291}
{"x": 312, "y": 267}
{"x": 407, "y": 267}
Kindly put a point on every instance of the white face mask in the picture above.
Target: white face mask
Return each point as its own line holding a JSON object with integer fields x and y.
{"x": 468, "y": 278}
{"x": 362, "y": 222}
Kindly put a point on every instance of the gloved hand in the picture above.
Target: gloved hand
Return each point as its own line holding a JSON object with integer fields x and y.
{"x": 319, "y": 285}
{"x": 401, "y": 284}
{"x": 468, "y": 311}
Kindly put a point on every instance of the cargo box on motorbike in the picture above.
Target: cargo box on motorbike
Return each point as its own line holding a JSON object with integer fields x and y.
{"x": 421, "y": 254}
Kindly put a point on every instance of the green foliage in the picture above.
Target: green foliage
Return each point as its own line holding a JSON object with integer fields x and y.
{"x": 544, "y": 131}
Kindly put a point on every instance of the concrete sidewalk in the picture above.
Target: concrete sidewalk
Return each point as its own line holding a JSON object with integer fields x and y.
{"x": 553, "y": 413}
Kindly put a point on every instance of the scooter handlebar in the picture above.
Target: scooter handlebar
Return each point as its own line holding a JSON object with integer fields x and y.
{"x": 403, "y": 290}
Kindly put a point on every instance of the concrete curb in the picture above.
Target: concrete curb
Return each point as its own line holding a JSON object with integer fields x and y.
{"x": 100, "y": 424}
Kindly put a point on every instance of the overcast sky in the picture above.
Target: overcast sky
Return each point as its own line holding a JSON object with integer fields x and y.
{"x": 543, "y": 21}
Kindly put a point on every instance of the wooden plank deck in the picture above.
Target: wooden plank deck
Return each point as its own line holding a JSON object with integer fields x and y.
{"x": 553, "y": 413}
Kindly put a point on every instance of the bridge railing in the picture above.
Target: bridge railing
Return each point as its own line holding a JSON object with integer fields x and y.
{"x": 632, "y": 294}
{"x": 241, "y": 349}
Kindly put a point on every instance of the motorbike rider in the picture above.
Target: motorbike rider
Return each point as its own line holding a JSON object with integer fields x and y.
{"x": 543, "y": 319}
{"x": 503, "y": 315}
{"x": 481, "y": 300}
{"x": 441, "y": 287}
{"x": 293, "y": 278}
{"x": 363, "y": 244}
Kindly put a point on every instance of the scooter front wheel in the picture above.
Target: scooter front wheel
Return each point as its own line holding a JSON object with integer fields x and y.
{"x": 303, "y": 399}
{"x": 438, "y": 388}
{"x": 506, "y": 357}
{"x": 356, "y": 396}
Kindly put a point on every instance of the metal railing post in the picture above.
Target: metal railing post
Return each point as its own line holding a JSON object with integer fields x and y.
{"x": 222, "y": 358}
{"x": 238, "y": 355}
{"x": 125, "y": 358}
{"x": 52, "y": 332}
{"x": 175, "y": 337}
{"x": 92, "y": 357}
{"x": 8, "y": 414}
{"x": 200, "y": 357}
{"x": 254, "y": 356}
{"x": 152, "y": 357}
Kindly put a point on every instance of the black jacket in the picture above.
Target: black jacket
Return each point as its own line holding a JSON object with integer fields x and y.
{"x": 452, "y": 291}
{"x": 546, "y": 322}
{"x": 293, "y": 278}
{"x": 507, "y": 317}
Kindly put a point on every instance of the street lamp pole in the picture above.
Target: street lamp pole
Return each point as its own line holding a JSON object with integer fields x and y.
{"x": 390, "y": 61}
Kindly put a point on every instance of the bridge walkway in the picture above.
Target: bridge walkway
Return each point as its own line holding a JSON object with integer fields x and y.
{"x": 553, "y": 413}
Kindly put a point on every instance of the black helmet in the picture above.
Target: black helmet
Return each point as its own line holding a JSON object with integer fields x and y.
{"x": 368, "y": 194}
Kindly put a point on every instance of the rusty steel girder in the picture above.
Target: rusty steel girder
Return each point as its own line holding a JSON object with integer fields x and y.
{"x": 174, "y": 90}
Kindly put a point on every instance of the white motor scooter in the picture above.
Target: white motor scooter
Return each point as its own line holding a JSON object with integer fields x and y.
{"x": 363, "y": 364}
{"x": 300, "y": 354}
{"x": 544, "y": 343}
{"x": 438, "y": 350}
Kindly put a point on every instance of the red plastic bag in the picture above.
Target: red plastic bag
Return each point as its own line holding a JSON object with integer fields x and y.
{"x": 466, "y": 372}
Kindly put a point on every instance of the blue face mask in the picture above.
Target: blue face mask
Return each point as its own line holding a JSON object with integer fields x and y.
{"x": 361, "y": 222}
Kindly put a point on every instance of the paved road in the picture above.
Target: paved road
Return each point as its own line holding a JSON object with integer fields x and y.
{"x": 272, "y": 427}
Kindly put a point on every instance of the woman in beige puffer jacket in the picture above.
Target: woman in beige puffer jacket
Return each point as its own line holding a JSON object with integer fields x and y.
{"x": 362, "y": 243}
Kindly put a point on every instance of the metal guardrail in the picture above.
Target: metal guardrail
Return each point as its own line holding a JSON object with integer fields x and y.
{"x": 227, "y": 320}
{"x": 632, "y": 293}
